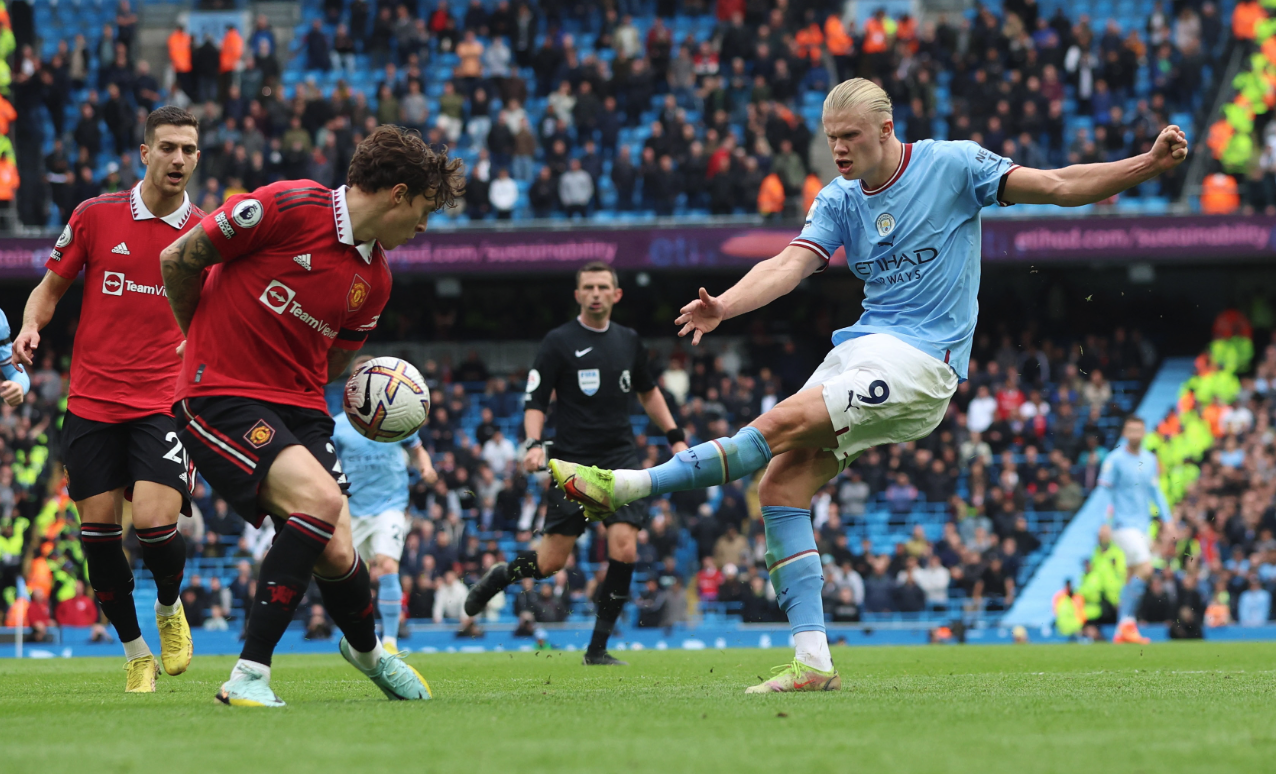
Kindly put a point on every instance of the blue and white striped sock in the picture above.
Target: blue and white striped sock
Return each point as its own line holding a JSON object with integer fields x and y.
{"x": 797, "y": 576}
{"x": 712, "y": 464}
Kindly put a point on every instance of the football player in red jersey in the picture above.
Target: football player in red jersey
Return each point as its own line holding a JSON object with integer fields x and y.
{"x": 119, "y": 439}
{"x": 296, "y": 279}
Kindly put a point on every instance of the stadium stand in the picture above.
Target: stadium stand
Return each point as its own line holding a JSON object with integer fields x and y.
{"x": 986, "y": 496}
{"x": 1217, "y": 456}
{"x": 681, "y": 87}
{"x": 730, "y": 92}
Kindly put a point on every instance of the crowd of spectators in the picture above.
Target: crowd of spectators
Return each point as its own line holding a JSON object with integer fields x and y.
{"x": 1028, "y": 454}
{"x": 571, "y": 108}
{"x": 1215, "y": 564}
{"x": 1224, "y": 546}
{"x": 1035, "y": 450}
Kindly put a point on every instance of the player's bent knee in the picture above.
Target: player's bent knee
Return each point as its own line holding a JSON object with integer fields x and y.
{"x": 384, "y": 565}
{"x": 155, "y": 505}
{"x": 337, "y": 558}
{"x": 548, "y": 565}
{"x": 101, "y": 508}
{"x": 622, "y": 543}
{"x": 298, "y": 483}
{"x": 794, "y": 477}
{"x": 800, "y": 422}
{"x": 327, "y": 504}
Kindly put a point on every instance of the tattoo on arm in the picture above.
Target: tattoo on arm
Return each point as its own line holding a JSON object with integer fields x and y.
{"x": 182, "y": 264}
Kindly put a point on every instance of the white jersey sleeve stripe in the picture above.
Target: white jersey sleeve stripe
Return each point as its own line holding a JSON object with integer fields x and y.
{"x": 815, "y": 248}
{"x": 1001, "y": 187}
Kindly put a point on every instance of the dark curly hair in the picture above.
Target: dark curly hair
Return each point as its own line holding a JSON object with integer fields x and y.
{"x": 393, "y": 155}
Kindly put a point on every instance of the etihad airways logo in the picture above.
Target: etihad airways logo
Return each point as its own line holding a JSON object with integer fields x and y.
{"x": 279, "y": 298}
{"x": 114, "y": 283}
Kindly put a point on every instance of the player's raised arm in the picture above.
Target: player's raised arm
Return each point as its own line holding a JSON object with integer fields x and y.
{"x": 1089, "y": 183}
{"x": 39, "y": 310}
{"x": 764, "y": 283}
{"x": 182, "y": 264}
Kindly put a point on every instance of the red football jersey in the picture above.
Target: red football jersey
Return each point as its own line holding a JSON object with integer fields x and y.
{"x": 124, "y": 362}
{"x": 292, "y": 285}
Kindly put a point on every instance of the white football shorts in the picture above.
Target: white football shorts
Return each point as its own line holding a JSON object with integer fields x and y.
{"x": 878, "y": 389}
{"x": 1134, "y": 544}
{"x": 382, "y": 534}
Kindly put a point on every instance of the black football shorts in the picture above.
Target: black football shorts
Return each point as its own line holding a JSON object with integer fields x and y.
{"x": 564, "y": 517}
{"x": 234, "y": 441}
{"x": 105, "y": 456}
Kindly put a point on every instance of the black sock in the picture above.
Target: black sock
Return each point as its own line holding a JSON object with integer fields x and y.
{"x": 110, "y": 576}
{"x": 524, "y": 565}
{"x": 164, "y": 554}
{"x": 611, "y": 600}
{"x": 285, "y": 574}
{"x": 348, "y": 600}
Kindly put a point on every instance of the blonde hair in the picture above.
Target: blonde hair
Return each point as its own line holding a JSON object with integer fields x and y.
{"x": 858, "y": 92}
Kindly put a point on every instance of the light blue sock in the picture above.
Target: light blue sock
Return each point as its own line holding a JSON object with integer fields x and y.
{"x": 712, "y": 463}
{"x": 1131, "y": 596}
{"x": 794, "y": 563}
{"x": 389, "y": 604}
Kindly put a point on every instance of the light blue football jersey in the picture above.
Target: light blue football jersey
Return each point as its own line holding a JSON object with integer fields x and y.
{"x": 9, "y": 370}
{"x": 1132, "y": 483}
{"x": 916, "y": 244}
{"x": 378, "y": 472}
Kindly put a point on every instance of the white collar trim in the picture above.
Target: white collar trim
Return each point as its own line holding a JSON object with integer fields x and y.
{"x": 603, "y": 329}
{"x": 345, "y": 232}
{"x": 177, "y": 218}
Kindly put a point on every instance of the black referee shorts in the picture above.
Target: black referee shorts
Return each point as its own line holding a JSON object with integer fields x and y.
{"x": 564, "y": 517}
{"x": 105, "y": 456}
{"x": 234, "y": 441}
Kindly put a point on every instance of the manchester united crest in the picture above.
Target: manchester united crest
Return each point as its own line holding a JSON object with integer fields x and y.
{"x": 260, "y": 434}
{"x": 359, "y": 291}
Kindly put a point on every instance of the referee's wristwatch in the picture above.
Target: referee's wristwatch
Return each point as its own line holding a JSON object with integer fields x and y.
{"x": 675, "y": 435}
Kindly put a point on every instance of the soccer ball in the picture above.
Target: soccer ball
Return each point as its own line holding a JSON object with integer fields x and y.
{"x": 386, "y": 399}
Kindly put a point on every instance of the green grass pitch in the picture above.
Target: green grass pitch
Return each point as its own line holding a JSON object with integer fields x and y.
{"x": 1025, "y": 709}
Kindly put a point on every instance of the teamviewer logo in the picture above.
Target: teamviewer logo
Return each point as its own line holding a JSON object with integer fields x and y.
{"x": 276, "y": 296}
{"x": 113, "y": 283}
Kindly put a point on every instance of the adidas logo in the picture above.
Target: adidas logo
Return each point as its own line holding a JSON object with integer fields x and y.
{"x": 303, "y": 261}
{"x": 121, "y": 249}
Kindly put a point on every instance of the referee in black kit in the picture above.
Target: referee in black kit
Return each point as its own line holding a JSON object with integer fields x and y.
{"x": 593, "y": 366}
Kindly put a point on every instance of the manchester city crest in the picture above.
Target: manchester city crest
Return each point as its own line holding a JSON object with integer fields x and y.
{"x": 885, "y": 223}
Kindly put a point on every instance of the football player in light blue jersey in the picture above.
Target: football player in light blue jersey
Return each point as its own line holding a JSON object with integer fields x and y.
{"x": 16, "y": 382}
{"x": 378, "y": 474}
{"x": 908, "y": 217}
{"x": 1130, "y": 481}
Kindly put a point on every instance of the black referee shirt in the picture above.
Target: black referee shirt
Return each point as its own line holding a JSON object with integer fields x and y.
{"x": 594, "y": 373}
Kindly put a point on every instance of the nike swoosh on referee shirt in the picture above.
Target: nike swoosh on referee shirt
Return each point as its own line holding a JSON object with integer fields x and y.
{"x": 584, "y": 351}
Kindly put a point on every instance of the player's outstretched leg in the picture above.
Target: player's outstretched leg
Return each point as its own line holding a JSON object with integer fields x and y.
{"x": 708, "y": 464}
{"x": 498, "y": 576}
{"x": 164, "y": 554}
{"x": 112, "y": 582}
